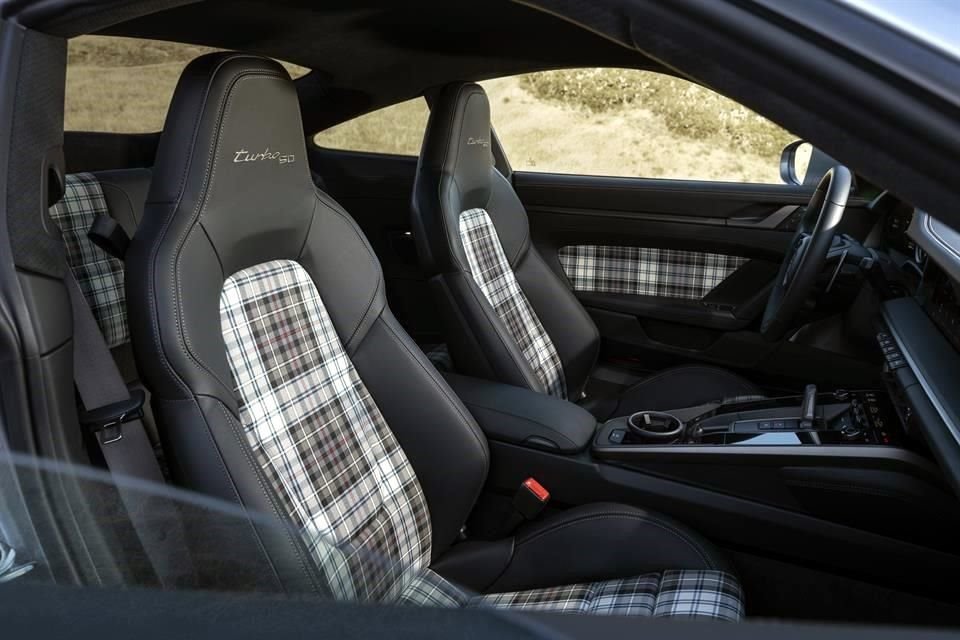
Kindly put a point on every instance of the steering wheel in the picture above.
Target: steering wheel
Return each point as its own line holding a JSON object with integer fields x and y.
{"x": 807, "y": 253}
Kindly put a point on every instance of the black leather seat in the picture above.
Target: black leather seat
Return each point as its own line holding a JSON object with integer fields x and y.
{"x": 282, "y": 382}
{"x": 508, "y": 316}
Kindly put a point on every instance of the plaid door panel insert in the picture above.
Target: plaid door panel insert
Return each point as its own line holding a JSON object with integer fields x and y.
{"x": 646, "y": 272}
{"x": 99, "y": 274}
{"x": 681, "y": 594}
{"x": 492, "y": 272}
{"x": 319, "y": 436}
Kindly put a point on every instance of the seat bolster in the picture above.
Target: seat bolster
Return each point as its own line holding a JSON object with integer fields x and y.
{"x": 267, "y": 554}
{"x": 125, "y": 191}
{"x": 426, "y": 417}
{"x": 602, "y": 541}
{"x": 493, "y": 350}
{"x": 568, "y": 324}
{"x": 475, "y": 564}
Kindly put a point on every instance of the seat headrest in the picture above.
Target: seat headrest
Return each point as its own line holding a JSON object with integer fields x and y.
{"x": 233, "y": 153}
{"x": 457, "y": 144}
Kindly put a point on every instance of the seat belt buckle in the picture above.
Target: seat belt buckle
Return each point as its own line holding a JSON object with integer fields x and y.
{"x": 106, "y": 422}
{"x": 531, "y": 499}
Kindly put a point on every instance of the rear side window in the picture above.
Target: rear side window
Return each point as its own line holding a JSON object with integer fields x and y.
{"x": 397, "y": 129}
{"x": 124, "y": 85}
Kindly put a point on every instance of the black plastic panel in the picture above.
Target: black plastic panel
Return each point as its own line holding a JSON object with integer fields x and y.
{"x": 936, "y": 366}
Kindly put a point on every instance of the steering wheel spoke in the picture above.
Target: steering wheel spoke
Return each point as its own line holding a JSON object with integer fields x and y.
{"x": 808, "y": 252}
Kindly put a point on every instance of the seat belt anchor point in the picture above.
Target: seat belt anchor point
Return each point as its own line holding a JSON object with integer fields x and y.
{"x": 106, "y": 422}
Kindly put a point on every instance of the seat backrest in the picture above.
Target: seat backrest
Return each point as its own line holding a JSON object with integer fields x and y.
{"x": 280, "y": 379}
{"x": 506, "y": 314}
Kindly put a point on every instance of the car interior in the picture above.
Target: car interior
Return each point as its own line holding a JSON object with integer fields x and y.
{"x": 524, "y": 390}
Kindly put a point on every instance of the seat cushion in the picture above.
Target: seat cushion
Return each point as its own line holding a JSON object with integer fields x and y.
{"x": 687, "y": 594}
{"x": 681, "y": 387}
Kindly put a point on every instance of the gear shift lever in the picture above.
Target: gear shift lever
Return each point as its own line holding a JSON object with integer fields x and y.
{"x": 808, "y": 408}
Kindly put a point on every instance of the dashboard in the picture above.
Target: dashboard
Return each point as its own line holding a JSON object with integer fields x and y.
{"x": 920, "y": 331}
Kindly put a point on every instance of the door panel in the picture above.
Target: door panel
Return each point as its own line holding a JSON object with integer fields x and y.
{"x": 675, "y": 270}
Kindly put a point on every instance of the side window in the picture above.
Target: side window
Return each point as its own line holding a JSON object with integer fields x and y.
{"x": 397, "y": 129}
{"x": 124, "y": 85}
{"x": 619, "y": 122}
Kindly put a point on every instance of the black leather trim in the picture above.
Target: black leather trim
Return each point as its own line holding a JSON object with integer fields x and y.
{"x": 125, "y": 191}
{"x": 447, "y": 449}
{"x": 601, "y": 541}
{"x": 611, "y": 541}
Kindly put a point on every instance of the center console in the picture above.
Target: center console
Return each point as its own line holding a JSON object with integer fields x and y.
{"x": 837, "y": 418}
{"x": 831, "y": 478}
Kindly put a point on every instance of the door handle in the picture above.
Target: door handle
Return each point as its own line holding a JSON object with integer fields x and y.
{"x": 770, "y": 221}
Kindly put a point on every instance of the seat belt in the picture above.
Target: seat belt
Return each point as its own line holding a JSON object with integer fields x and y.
{"x": 114, "y": 415}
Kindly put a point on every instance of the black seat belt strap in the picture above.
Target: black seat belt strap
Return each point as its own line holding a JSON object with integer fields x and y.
{"x": 113, "y": 414}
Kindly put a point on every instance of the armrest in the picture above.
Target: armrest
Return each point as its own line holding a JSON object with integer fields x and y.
{"x": 520, "y": 416}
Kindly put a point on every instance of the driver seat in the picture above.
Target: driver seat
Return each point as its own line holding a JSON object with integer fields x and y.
{"x": 506, "y": 314}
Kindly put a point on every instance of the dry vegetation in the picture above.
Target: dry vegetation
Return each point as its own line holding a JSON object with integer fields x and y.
{"x": 121, "y": 84}
{"x": 592, "y": 121}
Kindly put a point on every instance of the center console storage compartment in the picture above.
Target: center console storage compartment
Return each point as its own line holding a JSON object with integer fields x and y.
{"x": 519, "y": 416}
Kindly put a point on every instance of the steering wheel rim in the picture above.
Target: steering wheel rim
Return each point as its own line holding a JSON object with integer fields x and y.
{"x": 807, "y": 253}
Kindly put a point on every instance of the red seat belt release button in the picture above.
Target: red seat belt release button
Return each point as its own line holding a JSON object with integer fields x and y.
{"x": 531, "y": 499}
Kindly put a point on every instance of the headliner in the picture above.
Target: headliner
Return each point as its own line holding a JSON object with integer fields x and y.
{"x": 371, "y": 53}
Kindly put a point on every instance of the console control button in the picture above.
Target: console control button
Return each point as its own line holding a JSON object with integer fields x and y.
{"x": 616, "y": 436}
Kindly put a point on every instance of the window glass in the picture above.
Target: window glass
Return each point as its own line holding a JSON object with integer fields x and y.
{"x": 124, "y": 85}
{"x": 397, "y": 129}
{"x": 618, "y": 122}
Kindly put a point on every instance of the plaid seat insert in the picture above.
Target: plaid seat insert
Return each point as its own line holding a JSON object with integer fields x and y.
{"x": 320, "y": 438}
{"x": 492, "y": 273}
{"x": 679, "y": 594}
{"x": 99, "y": 274}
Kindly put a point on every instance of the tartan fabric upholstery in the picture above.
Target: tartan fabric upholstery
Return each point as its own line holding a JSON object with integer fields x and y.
{"x": 646, "y": 272}
{"x": 686, "y": 594}
{"x": 492, "y": 272}
{"x": 99, "y": 274}
{"x": 428, "y": 589}
{"x": 319, "y": 437}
